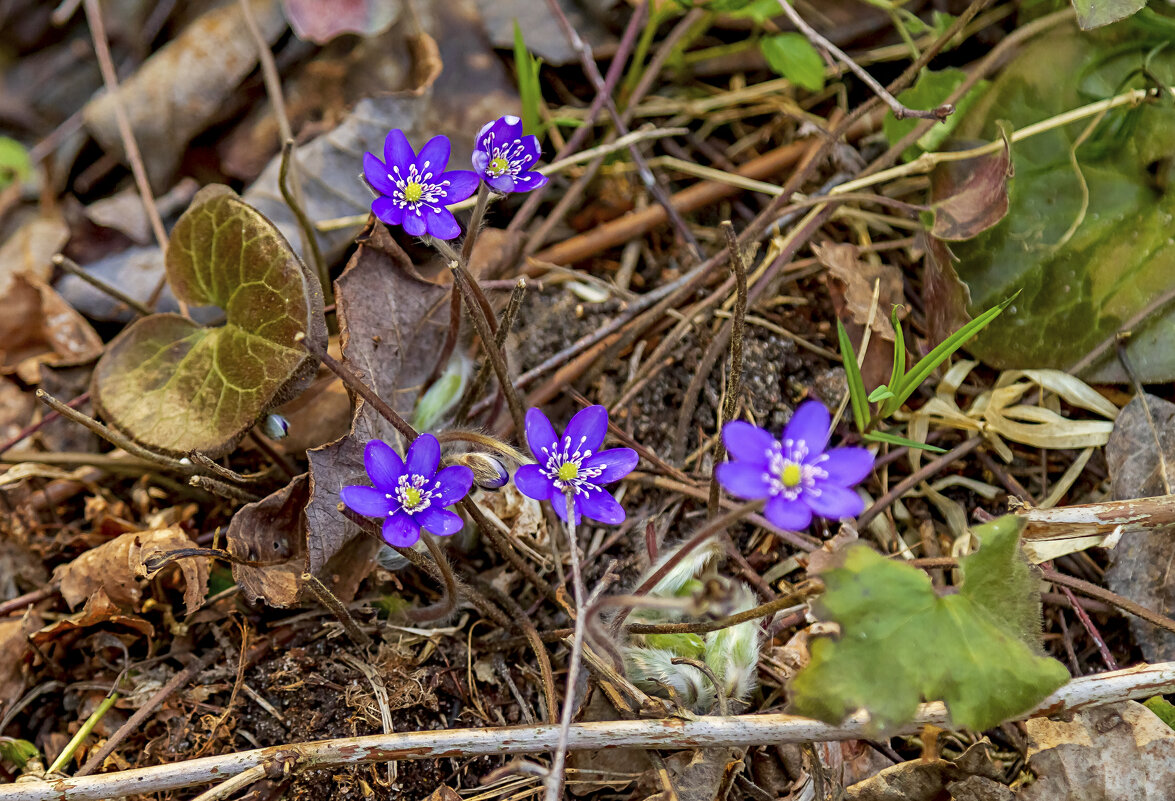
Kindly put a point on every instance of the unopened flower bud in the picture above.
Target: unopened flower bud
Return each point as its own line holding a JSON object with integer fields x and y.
{"x": 488, "y": 472}
{"x": 275, "y": 426}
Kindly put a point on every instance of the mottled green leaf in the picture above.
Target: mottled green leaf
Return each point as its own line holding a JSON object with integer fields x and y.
{"x": 1096, "y": 13}
{"x": 175, "y": 386}
{"x": 982, "y": 642}
{"x": 18, "y": 752}
{"x": 1091, "y": 249}
{"x": 793, "y": 56}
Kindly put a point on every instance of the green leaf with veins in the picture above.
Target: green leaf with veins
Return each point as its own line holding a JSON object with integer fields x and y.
{"x": 901, "y": 642}
{"x": 1085, "y": 272}
{"x": 793, "y": 56}
{"x": 173, "y": 385}
{"x": 1096, "y": 13}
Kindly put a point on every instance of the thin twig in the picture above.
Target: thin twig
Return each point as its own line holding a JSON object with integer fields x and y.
{"x": 482, "y": 323}
{"x": 33, "y": 428}
{"x": 899, "y": 110}
{"x": 114, "y": 437}
{"x": 338, "y": 608}
{"x": 912, "y": 480}
{"x": 233, "y": 492}
{"x": 358, "y": 387}
{"x": 738, "y": 266}
{"x": 310, "y": 240}
{"x": 647, "y": 177}
{"x": 797, "y": 596}
{"x": 230, "y": 786}
{"x": 502, "y": 545}
{"x": 532, "y": 637}
{"x": 477, "y": 386}
{"x": 72, "y": 267}
{"x": 554, "y": 782}
{"x": 138, "y": 168}
{"x": 1141, "y": 681}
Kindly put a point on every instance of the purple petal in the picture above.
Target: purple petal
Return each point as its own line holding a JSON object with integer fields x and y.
{"x": 587, "y": 429}
{"x": 441, "y": 522}
{"x": 501, "y": 183}
{"x": 441, "y": 224}
{"x": 529, "y": 180}
{"x": 600, "y": 505}
{"x": 462, "y": 184}
{"x": 388, "y": 210}
{"x": 479, "y": 140}
{"x": 383, "y": 465}
{"x": 400, "y": 529}
{"x": 833, "y": 502}
{"x": 397, "y": 151}
{"x": 810, "y": 425}
{"x": 744, "y": 480}
{"x": 540, "y": 434}
{"x": 481, "y": 160}
{"x": 847, "y": 466}
{"x": 434, "y": 156}
{"x": 747, "y": 442}
{"x": 531, "y": 150}
{"x": 791, "y": 515}
{"x": 367, "y": 501}
{"x": 615, "y": 462}
{"x": 455, "y": 482}
{"x": 508, "y": 128}
{"x": 424, "y": 454}
{"x": 414, "y": 223}
{"x": 376, "y": 173}
{"x": 533, "y": 484}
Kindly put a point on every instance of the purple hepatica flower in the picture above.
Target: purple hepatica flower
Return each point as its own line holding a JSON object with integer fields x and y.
{"x": 410, "y": 495}
{"x": 504, "y": 157}
{"x": 574, "y": 462}
{"x": 798, "y": 475}
{"x": 415, "y": 190}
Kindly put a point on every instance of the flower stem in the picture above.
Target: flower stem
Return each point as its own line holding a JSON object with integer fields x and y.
{"x": 738, "y": 266}
{"x": 479, "y": 210}
{"x": 485, "y": 330}
{"x": 331, "y": 602}
{"x": 483, "y": 373}
{"x": 554, "y": 784}
{"x": 448, "y": 603}
{"x": 84, "y": 732}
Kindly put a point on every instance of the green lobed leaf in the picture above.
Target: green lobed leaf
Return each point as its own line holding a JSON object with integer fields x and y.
{"x": 18, "y": 752}
{"x": 858, "y": 398}
{"x": 1086, "y": 270}
{"x": 793, "y": 56}
{"x": 1096, "y": 13}
{"x": 175, "y": 386}
{"x": 1163, "y": 708}
{"x": 985, "y": 663}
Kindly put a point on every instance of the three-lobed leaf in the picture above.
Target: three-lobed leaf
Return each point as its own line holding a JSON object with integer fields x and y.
{"x": 175, "y": 386}
{"x": 901, "y": 643}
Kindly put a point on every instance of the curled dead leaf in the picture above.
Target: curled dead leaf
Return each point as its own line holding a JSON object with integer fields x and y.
{"x": 117, "y": 568}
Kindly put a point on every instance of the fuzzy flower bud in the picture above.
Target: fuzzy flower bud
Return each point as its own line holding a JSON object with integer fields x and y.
{"x": 488, "y": 472}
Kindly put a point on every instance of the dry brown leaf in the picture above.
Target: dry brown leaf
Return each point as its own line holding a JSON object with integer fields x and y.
{"x": 14, "y": 633}
{"x": 944, "y": 297}
{"x": 28, "y": 250}
{"x": 99, "y": 609}
{"x": 117, "y": 568}
{"x": 183, "y": 87}
{"x": 38, "y": 327}
{"x": 970, "y": 196}
{"x": 1116, "y": 752}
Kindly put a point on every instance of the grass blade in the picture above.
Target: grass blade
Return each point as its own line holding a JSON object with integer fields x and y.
{"x": 899, "y": 363}
{"x": 857, "y": 395}
{"x": 529, "y": 91}
{"x": 894, "y": 439}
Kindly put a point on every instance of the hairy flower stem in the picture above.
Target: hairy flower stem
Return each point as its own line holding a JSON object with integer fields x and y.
{"x": 554, "y": 783}
{"x": 338, "y": 608}
{"x": 348, "y": 377}
{"x": 444, "y": 607}
{"x": 738, "y": 265}
{"x": 485, "y": 330}
{"x": 479, "y": 210}
{"x": 502, "y": 545}
{"x": 483, "y": 372}
{"x": 478, "y": 438}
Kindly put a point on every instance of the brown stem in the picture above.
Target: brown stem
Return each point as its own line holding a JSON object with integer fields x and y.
{"x": 72, "y": 267}
{"x": 738, "y": 265}
{"x": 328, "y": 599}
{"x": 444, "y": 607}
{"x": 483, "y": 372}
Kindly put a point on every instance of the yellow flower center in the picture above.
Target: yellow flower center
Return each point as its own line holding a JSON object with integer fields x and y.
{"x": 413, "y": 191}
{"x": 791, "y": 475}
{"x": 411, "y": 497}
{"x": 498, "y": 166}
{"x": 568, "y": 471}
